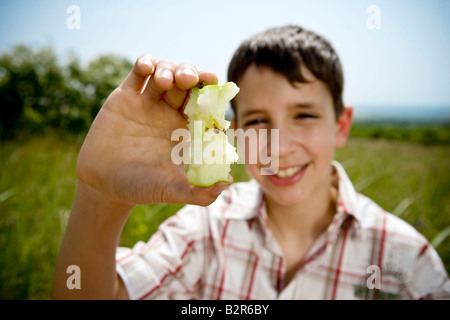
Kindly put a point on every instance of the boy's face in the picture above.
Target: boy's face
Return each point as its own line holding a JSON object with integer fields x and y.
{"x": 308, "y": 131}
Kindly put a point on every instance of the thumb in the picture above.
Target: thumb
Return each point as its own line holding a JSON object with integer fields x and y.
{"x": 204, "y": 196}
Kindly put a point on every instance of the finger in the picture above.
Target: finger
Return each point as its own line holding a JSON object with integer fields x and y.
{"x": 204, "y": 196}
{"x": 142, "y": 69}
{"x": 162, "y": 80}
{"x": 186, "y": 77}
{"x": 208, "y": 78}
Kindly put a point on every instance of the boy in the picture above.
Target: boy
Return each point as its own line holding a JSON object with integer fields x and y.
{"x": 302, "y": 233}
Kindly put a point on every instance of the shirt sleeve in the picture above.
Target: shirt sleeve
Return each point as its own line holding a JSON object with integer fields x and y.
{"x": 170, "y": 264}
{"x": 429, "y": 279}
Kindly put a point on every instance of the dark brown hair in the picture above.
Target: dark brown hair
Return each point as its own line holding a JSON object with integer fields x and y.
{"x": 284, "y": 50}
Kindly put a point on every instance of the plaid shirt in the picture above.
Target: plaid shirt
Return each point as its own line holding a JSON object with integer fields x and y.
{"x": 226, "y": 251}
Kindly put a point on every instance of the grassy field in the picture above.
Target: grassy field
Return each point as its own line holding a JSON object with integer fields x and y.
{"x": 38, "y": 177}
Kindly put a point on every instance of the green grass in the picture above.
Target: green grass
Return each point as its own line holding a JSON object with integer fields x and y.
{"x": 36, "y": 191}
{"x": 37, "y": 184}
{"x": 410, "y": 180}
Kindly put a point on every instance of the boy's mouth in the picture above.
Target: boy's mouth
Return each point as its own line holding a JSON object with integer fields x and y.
{"x": 288, "y": 176}
{"x": 289, "y": 172}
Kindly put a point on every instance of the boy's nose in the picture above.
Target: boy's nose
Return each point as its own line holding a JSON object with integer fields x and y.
{"x": 280, "y": 142}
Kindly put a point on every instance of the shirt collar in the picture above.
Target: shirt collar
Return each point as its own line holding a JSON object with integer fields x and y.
{"x": 347, "y": 195}
{"x": 244, "y": 200}
{"x": 347, "y": 216}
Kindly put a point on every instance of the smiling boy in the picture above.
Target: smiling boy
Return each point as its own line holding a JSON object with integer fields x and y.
{"x": 302, "y": 233}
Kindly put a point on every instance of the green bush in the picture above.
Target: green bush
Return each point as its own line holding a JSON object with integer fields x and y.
{"x": 39, "y": 93}
{"x": 421, "y": 133}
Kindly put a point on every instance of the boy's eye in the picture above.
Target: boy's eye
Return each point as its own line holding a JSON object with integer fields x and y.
{"x": 254, "y": 122}
{"x": 305, "y": 116}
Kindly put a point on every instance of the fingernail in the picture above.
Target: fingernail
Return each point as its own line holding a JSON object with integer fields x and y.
{"x": 217, "y": 191}
{"x": 188, "y": 72}
{"x": 219, "y": 188}
{"x": 148, "y": 62}
{"x": 166, "y": 74}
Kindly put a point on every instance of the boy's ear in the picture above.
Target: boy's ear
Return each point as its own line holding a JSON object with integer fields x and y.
{"x": 344, "y": 124}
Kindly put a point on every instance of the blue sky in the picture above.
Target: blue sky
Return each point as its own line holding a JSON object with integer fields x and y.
{"x": 404, "y": 63}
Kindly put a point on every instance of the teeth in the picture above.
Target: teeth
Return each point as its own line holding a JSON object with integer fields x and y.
{"x": 289, "y": 172}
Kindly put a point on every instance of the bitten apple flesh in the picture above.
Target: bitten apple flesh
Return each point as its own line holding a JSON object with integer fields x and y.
{"x": 211, "y": 154}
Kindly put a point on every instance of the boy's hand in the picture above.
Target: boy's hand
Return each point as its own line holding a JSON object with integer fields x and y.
{"x": 126, "y": 155}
